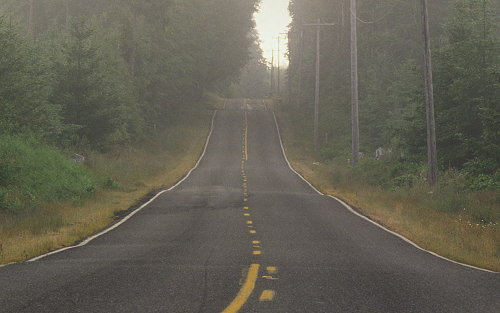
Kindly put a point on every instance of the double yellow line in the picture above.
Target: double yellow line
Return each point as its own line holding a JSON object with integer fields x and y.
{"x": 246, "y": 136}
{"x": 245, "y": 291}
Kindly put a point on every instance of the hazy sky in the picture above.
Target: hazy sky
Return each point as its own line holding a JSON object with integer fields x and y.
{"x": 271, "y": 20}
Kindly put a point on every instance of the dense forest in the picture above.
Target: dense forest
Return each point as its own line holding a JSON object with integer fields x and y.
{"x": 96, "y": 77}
{"x": 97, "y": 74}
{"x": 465, "y": 40}
{"x": 102, "y": 73}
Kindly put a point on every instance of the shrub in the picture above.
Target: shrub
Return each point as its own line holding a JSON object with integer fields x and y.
{"x": 32, "y": 172}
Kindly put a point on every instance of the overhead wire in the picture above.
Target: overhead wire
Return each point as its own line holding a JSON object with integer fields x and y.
{"x": 384, "y": 16}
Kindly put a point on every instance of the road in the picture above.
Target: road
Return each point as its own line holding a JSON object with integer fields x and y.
{"x": 244, "y": 233}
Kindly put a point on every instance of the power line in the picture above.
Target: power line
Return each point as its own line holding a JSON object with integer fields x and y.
{"x": 384, "y": 16}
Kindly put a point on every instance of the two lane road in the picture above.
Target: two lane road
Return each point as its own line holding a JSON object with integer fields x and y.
{"x": 244, "y": 233}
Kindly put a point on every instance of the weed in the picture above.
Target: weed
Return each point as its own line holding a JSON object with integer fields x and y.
{"x": 486, "y": 216}
{"x": 44, "y": 223}
{"x": 77, "y": 201}
{"x": 112, "y": 184}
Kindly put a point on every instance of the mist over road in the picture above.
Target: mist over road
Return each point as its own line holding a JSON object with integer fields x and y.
{"x": 244, "y": 232}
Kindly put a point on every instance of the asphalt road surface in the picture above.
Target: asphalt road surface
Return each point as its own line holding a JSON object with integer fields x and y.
{"x": 244, "y": 233}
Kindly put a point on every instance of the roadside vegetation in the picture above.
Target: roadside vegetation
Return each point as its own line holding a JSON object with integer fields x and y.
{"x": 52, "y": 201}
{"x": 458, "y": 219}
{"x": 103, "y": 101}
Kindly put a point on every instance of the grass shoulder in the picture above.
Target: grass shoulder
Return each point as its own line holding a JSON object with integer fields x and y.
{"x": 124, "y": 177}
{"x": 456, "y": 223}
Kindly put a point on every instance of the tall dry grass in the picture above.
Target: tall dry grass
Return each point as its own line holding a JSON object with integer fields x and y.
{"x": 459, "y": 224}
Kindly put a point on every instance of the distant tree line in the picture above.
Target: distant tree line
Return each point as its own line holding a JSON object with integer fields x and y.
{"x": 105, "y": 72}
{"x": 255, "y": 80}
{"x": 466, "y": 60}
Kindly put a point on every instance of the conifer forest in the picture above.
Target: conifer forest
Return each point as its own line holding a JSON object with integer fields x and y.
{"x": 465, "y": 45}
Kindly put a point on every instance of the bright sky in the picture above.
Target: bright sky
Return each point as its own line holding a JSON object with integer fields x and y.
{"x": 272, "y": 19}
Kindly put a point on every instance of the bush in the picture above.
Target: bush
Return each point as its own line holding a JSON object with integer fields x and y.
{"x": 32, "y": 172}
{"x": 483, "y": 182}
{"x": 391, "y": 172}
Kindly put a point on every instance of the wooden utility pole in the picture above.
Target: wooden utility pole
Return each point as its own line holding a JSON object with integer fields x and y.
{"x": 316, "y": 97}
{"x": 316, "y": 93}
{"x": 301, "y": 58}
{"x": 278, "y": 63}
{"x": 279, "y": 78}
{"x": 429, "y": 99}
{"x": 272, "y": 73}
{"x": 278, "y": 66}
{"x": 354, "y": 86}
{"x": 289, "y": 74}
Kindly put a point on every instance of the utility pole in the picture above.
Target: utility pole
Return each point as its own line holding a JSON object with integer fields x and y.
{"x": 272, "y": 73}
{"x": 278, "y": 63}
{"x": 316, "y": 94}
{"x": 301, "y": 58}
{"x": 354, "y": 86}
{"x": 279, "y": 35}
{"x": 316, "y": 97}
{"x": 278, "y": 66}
{"x": 429, "y": 99}
{"x": 289, "y": 75}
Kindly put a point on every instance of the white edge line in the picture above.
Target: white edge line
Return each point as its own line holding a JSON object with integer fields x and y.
{"x": 225, "y": 101}
{"x": 369, "y": 220}
{"x": 89, "y": 239}
{"x": 286, "y": 159}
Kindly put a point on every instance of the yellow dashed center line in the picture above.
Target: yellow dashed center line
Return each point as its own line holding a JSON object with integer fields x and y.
{"x": 267, "y": 295}
{"x": 249, "y": 285}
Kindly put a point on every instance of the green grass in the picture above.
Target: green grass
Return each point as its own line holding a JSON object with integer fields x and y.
{"x": 33, "y": 173}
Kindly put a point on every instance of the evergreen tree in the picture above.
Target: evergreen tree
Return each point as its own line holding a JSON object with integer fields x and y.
{"x": 89, "y": 103}
{"x": 466, "y": 88}
{"x": 24, "y": 88}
